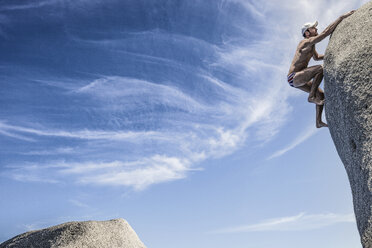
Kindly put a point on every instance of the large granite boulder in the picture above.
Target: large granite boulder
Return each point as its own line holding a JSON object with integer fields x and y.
{"x": 348, "y": 93}
{"x": 88, "y": 234}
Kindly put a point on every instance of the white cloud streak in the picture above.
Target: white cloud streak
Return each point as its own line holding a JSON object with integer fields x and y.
{"x": 120, "y": 87}
{"x": 310, "y": 131}
{"x": 136, "y": 174}
{"x": 57, "y": 151}
{"x": 16, "y": 136}
{"x": 78, "y": 203}
{"x": 157, "y": 169}
{"x": 83, "y": 134}
{"x": 251, "y": 7}
{"x": 21, "y": 176}
{"x": 299, "y": 222}
{"x": 33, "y": 5}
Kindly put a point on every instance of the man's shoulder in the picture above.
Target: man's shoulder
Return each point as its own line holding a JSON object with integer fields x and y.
{"x": 303, "y": 43}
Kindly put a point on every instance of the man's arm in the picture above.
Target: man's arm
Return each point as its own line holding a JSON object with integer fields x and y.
{"x": 316, "y": 56}
{"x": 329, "y": 30}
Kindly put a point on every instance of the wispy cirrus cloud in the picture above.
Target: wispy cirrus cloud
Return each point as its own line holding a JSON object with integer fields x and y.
{"x": 31, "y": 5}
{"x": 16, "y": 136}
{"x": 21, "y": 175}
{"x": 6, "y": 129}
{"x": 195, "y": 139}
{"x": 254, "y": 8}
{"x": 299, "y": 222}
{"x": 310, "y": 131}
{"x": 180, "y": 99}
{"x": 179, "y": 127}
{"x": 116, "y": 91}
{"x": 136, "y": 174}
{"x": 78, "y": 203}
{"x": 43, "y": 3}
{"x": 56, "y": 151}
{"x": 156, "y": 169}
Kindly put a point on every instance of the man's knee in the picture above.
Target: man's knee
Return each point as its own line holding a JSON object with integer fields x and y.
{"x": 318, "y": 72}
{"x": 320, "y": 69}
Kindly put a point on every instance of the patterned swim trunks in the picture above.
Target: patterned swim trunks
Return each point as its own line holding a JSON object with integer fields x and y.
{"x": 290, "y": 78}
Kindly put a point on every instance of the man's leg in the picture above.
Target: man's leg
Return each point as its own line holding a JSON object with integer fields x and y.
{"x": 318, "y": 108}
{"x": 319, "y": 123}
{"x": 303, "y": 77}
{"x": 314, "y": 87}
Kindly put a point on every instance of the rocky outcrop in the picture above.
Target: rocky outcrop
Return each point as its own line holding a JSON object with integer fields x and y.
{"x": 93, "y": 234}
{"x": 348, "y": 93}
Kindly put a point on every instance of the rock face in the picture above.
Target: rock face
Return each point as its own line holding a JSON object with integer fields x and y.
{"x": 348, "y": 93}
{"x": 93, "y": 234}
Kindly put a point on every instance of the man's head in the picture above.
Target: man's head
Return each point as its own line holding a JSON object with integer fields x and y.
{"x": 309, "y": 29}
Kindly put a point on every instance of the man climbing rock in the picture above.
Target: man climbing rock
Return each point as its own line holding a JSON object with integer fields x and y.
{"x": 309, "y": 78}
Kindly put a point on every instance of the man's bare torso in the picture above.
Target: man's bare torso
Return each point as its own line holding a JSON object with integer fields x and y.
{"x": 302, "y": 57}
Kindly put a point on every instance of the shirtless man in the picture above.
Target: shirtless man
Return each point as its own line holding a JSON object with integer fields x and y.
{"x": 309, "y": 78}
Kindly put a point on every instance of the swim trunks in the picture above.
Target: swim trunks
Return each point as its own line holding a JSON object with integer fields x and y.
{"x": 290, "y": 78}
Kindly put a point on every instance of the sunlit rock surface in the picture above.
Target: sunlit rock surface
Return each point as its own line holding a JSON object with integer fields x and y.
{"x": 93, "y": 234}
{"x": 348, "y": 91}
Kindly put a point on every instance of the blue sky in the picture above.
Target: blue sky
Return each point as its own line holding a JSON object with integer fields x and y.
{"x": 174, "y": 115}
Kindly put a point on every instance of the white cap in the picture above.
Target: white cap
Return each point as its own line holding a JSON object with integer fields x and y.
{"x": 308, "y": 25}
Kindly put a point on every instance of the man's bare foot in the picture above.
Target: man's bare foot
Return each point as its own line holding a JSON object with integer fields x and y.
{"x": 321, "y": 124}
{"x": 315, "y": 100}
